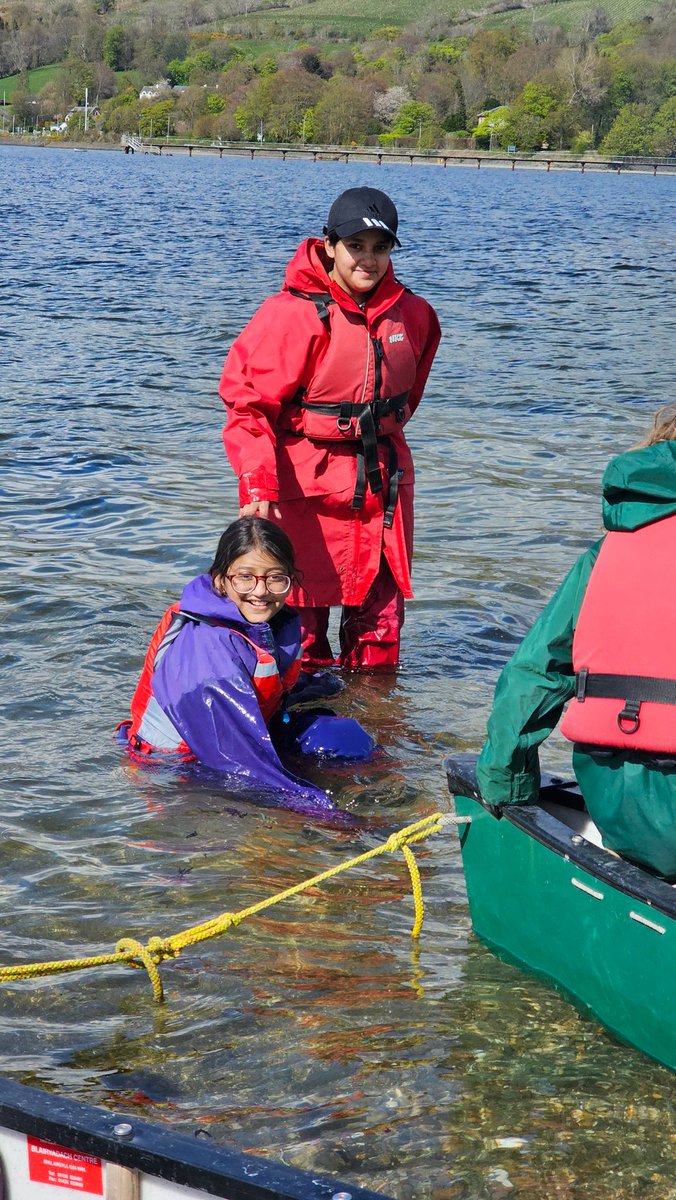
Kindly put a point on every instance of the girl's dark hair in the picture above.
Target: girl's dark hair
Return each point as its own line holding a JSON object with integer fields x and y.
{"x": 253, "y": 533}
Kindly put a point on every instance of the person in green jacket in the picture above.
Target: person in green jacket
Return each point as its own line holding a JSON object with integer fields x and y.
{"x": 630, "y": 795}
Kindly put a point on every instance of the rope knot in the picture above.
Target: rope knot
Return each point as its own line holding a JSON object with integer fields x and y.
{"x": 161, "y": 948}
{"x": 397, "y": 840}
{"x": 130, "y": 950}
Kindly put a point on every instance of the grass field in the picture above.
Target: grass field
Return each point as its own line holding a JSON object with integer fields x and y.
{"x": 36, "y": 80}
{"x": 569, "y": 13}
{"x": 350, "y": 18}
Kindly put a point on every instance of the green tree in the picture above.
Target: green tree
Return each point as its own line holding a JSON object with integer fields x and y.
{"x": 121, "y": 113}
{"x": 177, "y": 72}
{"x": 537, "y": 99}
{"x": 192, "y": 104}
{"x": 492, "y": 124}
{"x": 253, "y": 113}
{"x": 630, "y": 132}
{"x": 79, "y": 75}
{"x": 216, "y": 103}
{"x": 667, "y": 78}
{"x": 344, "y": 112}
{"x": 663, "y": 136}
{"x": 113, "y": 48}
{"x": 156, "y": 119}
{"x": 199, "y": 65}
{"x": 22, "y": 107}
{"x": 308, "y": 125}
{"x": 582, "y": 142}
{"x": 621, "y": 88}
{"x": 416, "y": 119}
{"x": 488, "y": 49}
{"x": 292, "y": 92}
{"x": 525, "y": 130}
{"x": 267, "y": 65}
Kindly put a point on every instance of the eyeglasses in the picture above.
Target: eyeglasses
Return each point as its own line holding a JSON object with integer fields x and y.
{"x": 244, "y": 582}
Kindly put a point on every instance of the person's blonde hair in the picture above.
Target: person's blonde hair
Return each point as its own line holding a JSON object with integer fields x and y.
{"x": 663, "y": 427}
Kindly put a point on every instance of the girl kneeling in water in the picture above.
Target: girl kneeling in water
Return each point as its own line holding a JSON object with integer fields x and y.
{"x": 223, "y": 667}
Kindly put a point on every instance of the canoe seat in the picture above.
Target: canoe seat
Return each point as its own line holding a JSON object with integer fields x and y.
{"x": 579, "y": 822}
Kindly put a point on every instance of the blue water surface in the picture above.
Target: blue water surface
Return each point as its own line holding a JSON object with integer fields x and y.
{"x": 314, "y": 1034}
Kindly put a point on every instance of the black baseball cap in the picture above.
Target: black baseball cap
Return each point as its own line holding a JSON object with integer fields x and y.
{"x": 362, "y": 208}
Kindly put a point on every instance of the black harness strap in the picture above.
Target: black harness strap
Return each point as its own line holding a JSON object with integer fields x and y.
{"x": 321, "y": 301}
{"x": 366, "y": 424}
{"x": 634, "y": 690}
{"x": 392, "y": 486}
{"x": 392, "y": 495}
{"x": 360, "y": 484}
{"x": 368, "y": 418}
{"x": 347, "y": 410}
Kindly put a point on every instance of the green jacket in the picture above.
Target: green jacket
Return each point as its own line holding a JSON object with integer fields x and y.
{"x": 634, "y": 805}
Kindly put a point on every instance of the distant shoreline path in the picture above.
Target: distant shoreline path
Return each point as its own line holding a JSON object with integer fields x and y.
{"x": 541, "y": 161}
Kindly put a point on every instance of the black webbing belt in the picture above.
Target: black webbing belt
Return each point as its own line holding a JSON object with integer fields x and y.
{"x": 634, "y": 690}
{"x": 368, "y": 417}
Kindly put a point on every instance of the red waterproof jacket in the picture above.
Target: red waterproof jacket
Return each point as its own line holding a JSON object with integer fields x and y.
{"x": 624, "y": 651}
{"x": 318, "y": 392}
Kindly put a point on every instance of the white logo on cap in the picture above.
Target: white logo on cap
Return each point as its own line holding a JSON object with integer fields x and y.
{"x": 370, "y": 222}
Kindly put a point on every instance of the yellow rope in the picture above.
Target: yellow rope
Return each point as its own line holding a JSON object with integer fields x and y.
{"x": 132, "y": 952}
{"x": 416, "y": 888}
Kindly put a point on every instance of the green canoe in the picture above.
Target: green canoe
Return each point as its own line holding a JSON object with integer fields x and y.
{"x": 542, "y": 889}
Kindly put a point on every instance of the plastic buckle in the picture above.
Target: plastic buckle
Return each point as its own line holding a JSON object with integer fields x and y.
{"x": 581, "y": 685}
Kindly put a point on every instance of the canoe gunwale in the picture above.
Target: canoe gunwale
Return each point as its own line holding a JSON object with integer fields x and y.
{"x": 624, "y": 876}
{"x": 159, "y": 1151}
{"x": 535, "y": 822}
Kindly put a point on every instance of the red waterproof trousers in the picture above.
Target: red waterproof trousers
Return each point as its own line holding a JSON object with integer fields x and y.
{"x": 369, "y": 633}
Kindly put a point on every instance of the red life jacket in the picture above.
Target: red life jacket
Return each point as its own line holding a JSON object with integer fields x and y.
{"x": 339, "y": 394}
{"x": 624, "y": 646}
{"x": 270, "y": 687}
{"x": 350, "y": 397}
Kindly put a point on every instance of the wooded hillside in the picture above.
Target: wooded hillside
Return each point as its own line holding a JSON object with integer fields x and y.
{"x": 515, "y": 73}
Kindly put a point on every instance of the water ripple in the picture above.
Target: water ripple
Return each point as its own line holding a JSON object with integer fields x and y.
{"x": 315, "y": 1034}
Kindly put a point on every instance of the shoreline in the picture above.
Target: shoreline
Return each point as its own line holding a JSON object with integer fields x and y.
{"x": 541, "y": 160}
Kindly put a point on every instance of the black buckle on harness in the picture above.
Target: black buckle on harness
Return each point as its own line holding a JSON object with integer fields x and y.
{"x": 628, "y": 720}
{"x": 344, "y": 418}
{"x": 581, "y": 685}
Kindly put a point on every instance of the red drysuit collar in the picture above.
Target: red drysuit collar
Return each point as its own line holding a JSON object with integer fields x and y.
{"x": 309, "y": 269}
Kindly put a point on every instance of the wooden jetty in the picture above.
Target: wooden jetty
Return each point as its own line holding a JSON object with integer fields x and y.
{"x": 540, "y": 160}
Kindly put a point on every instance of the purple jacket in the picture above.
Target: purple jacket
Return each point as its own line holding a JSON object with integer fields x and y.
{"x": 203, "y": 694}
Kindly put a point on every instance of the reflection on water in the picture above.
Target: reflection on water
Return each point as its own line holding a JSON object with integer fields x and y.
{"x": 314, "y": 1032}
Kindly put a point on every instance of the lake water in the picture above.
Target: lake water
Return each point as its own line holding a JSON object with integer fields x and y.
{"x": 314, "y": 1034}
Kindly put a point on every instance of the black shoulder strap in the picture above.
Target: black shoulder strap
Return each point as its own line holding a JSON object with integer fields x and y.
{"x": 321, "y": 301}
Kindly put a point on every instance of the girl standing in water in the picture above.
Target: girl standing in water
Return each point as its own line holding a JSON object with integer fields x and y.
{"x": 318, "y": 389}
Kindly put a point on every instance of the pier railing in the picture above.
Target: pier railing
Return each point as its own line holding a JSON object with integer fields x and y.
{"x": 541, "y": 160}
